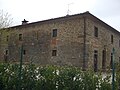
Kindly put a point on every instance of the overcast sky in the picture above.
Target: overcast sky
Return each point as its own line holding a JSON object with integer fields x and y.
{"x": 37, "y": 10}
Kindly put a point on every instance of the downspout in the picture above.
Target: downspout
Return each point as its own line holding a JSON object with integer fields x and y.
{"x": 84, "y": 44}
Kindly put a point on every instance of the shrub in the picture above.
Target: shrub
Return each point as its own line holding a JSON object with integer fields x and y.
{"x": 51, "y": 78}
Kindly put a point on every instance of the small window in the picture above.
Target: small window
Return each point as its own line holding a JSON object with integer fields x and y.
{"x": 54, "y": 33}
{"x": 54, "y": 52}
{"x": 112, "y": 39}
{"x": 95, "y": 31}
{"x": 37, "y": 35}
{"x": 20, "y": 37}
{"x": 119, "y": 43}
{"x": 6, "y": 55}
{"x": 95, "y": 52}
{"x": 7, "y": 38}
{"x": 6, "y": 52}
{"x": 119, "y": 60}
{"x": 24, "y": 52}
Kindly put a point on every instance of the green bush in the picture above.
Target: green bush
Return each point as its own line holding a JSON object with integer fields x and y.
{"x": 117, "y": 77}
{"x": 52, "y": 78}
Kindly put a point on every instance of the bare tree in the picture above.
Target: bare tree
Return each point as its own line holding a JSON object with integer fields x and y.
{"x": 5, "y": 19}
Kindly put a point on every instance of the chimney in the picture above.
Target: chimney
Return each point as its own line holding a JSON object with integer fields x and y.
{"x": 24, "y": 22}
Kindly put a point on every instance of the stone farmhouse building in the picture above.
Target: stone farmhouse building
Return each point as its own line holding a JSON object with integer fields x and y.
{"x": 80, "y": 40}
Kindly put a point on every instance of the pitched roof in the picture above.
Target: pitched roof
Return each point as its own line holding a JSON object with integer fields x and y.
{"x": 85, "y": 14}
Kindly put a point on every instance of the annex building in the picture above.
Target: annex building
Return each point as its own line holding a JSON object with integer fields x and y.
{"x": 80, "y": 40}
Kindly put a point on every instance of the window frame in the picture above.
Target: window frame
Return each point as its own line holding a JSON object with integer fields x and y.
{"x": 54, "y": 33}
{"x": 54, "y": 52}
{"x": 7, "y": 37}
{"x": 112, "y": 38}
{"x": 20, "y": 37}
{"x": 6, "y": 52}
{"x": 119, "y": 60}
{"x": 95, "y": 31}
{"x": 119, "y": 43}
{"x": 24, "y": 52}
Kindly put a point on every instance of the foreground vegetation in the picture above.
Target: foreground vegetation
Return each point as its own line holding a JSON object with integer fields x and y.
{"x": 52, "y": 78}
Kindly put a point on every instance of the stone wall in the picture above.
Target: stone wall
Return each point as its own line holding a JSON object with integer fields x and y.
{"x": 102, "y": 42}
{"x": 38, "y": 42}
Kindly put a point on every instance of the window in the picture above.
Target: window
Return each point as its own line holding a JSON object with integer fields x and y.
{"x": 119, "y": 43}
{"x": 24, "y": 52}
{"x": 6, "y": 52}
{"x": 95, "y": 51}
{"x": 54, "y": 52}
{"x": 103, "y": 59}
{"x": 95, "y": 60}
{"x": 37, "y": 35}
{"x": 20, "y": 37}
{"x": 112, "y": 39}
{"x": 7, "y": 38}
{"x": 6, "y": 56}
{"x": 95, "y": 31}
{"x": 119, "y": 60}
{"x": 54, "y": 33}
